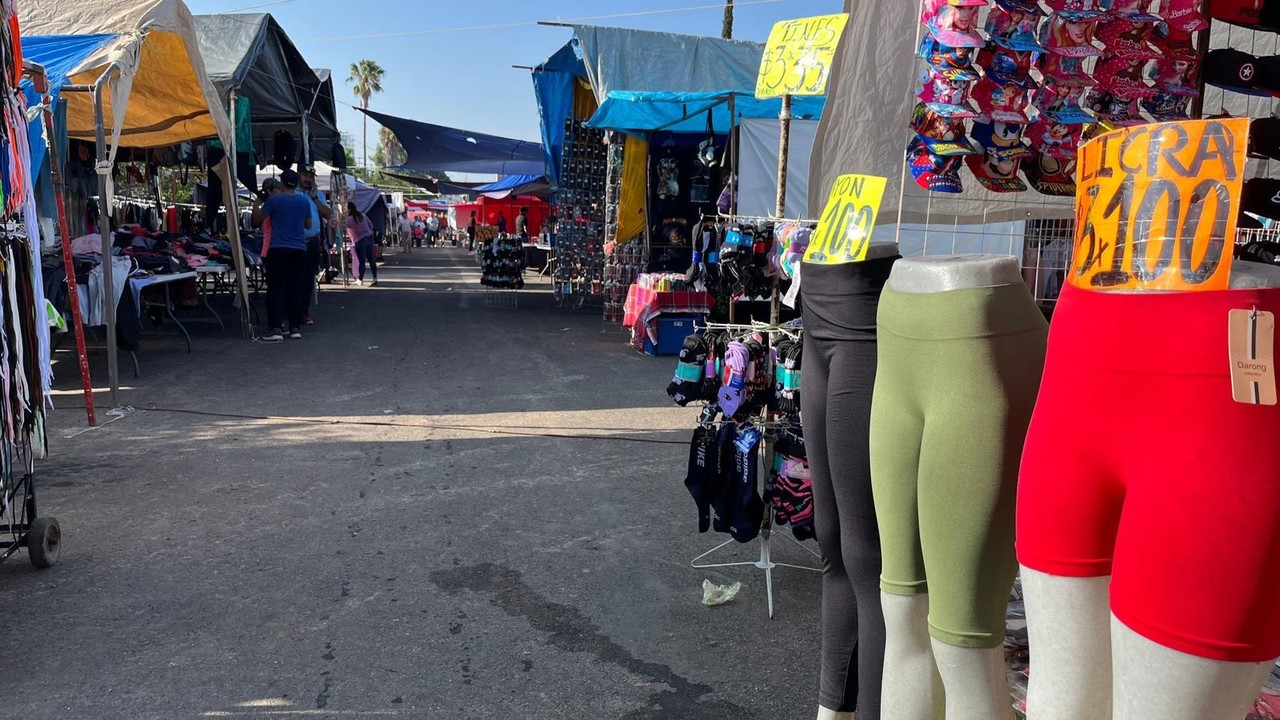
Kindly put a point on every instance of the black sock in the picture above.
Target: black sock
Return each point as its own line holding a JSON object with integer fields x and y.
{"x": 702, "y": 471}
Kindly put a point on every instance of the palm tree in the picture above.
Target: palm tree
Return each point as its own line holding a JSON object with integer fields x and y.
{"x": 726, "y": 29}
{"x": 366, "y": 81}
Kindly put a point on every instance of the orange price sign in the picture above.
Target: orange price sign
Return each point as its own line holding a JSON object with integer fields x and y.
{"x": 1156, "y": 206}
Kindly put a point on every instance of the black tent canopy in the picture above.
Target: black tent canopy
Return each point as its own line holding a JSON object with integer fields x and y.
{"x": 252, "y": 55}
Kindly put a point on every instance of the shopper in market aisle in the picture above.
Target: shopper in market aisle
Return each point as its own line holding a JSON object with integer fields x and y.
{"x": 320, "y": 211}
{"x": 360, "y": 233}
{"x": 502, "y": 222}
{"x": 288, "y": 288}
{"x": 471, "y": 232}
{"x": 522, "y": 225}
{"x": 419, "y": 228}
{"x": 433, "y": 229}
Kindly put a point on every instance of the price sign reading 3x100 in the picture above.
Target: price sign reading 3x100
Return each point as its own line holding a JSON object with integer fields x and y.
{"x": 844, "y": 232}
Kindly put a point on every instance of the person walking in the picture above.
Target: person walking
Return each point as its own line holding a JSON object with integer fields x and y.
{"x": 360, "y": 233}
{"x": 433, "y": 229}
{"x": 320, "y": 212}
{"x": 288, "y": 288}
{"x": 522, "y": 225}
{"x": 419, "y": 228}
{"x": 502, "y": 223}
{"x": 471, "y": 232}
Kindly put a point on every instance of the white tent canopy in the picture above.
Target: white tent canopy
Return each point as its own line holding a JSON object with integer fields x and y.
{"x": 162, "y": 96}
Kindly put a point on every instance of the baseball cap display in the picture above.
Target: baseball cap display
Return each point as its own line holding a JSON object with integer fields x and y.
{"x": 1058, "y": 140}
{"x": 933, "y": 173}
{"x": 1131, "y": 9}
{"x": 1070, "y": 32}
{"x": 1129, "y": 38}
{"x": 1264, "y": 138}
{"x": 1233, "y": 70}
{"x": 1113, "y": 109}
{"x": 1249, "y": 13}
{"x": 1014, "y": 28}
{"x": 1059, "y": 101}
{"x": 955, "y": 25}
{"x": 1267, "y": 74}
{"x": 1002, "y": 152}
{"x": 1261, "y": 197}
{"x": 1001, "y": 102}
{"x": 1062, "y": 67}
{"x": 1007, "y": 64}
{"x": 1173, "y": 42}
{"x": 1050, "y": 175}
{"x": 944, "y": 136}
{"x": 952, "y": 62}
{"x": 946, "y": 96}
{"x": 1124, "y": 77}
{"x": 1185, "y": 15}
{"x": 1165, "y": 106}
{"x": 1175, "y": 75}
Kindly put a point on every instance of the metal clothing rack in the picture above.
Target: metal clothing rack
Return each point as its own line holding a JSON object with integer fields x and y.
{"x": 769, "y": 428}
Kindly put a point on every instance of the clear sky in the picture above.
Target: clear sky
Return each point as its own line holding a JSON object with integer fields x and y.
{"x": 438, "y": 71}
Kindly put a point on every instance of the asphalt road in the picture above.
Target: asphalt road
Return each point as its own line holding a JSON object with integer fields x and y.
{"x": 363, "y": 553}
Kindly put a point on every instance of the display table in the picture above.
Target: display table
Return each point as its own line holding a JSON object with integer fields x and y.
{"x": 538, "y": 257}
{"x": 644, "y": 305}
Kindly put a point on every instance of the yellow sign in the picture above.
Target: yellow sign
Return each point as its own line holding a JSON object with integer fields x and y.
{"x": 844, "y": 232}
{"x": 1156, "y": 206}
{"x": 799, "y": 56}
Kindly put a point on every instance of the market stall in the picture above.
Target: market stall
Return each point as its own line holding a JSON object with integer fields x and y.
{"x": 637, "y": 129}
{"x": 143, "y": 86}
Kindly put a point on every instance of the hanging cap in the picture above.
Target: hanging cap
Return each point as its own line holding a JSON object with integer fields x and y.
{"x": 1264, "y": 138}
{"x": 933, "y": 173}
{"x": 1186, "y": 15}
{"x": 1233, "y": 70}
{"x": 953, "y": 25}
{"x": 1050, "y": 175}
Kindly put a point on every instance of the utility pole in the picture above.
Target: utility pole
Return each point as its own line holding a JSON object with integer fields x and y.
{"x": 726, "y": 30}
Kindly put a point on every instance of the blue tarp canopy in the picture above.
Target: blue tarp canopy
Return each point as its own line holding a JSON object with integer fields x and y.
{"x": 59, "y": 55}
{"x": 436, "y": 147}
{"x": 687, "y": 112}
{"x": 646, "y": 81}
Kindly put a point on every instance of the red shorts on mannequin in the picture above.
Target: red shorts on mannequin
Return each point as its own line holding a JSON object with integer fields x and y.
{"x": 1140, "y": 465}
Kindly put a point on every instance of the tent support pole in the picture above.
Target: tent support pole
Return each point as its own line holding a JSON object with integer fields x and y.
{"x": 40, "y": 80}
{"x": 103, "y": 168}
{"x": 231, "y": 199}
{"x": 784, "y": 149}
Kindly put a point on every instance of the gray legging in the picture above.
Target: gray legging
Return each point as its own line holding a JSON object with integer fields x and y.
{"x": 839, "y": 366}
{"x": 365, "y": 257}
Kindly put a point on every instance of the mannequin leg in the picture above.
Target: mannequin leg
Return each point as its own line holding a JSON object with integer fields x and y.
{"x": 1069, "y": 628}
{"x": 976, "y": 682}
{"x": 839, "y": 377}
{"x": 912, "y": 686}
{"x": 1153, "y": 682}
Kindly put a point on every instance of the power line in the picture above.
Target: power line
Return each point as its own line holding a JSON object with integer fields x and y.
{"x": 259, "y": 7}
{"x": 504, "y": 26}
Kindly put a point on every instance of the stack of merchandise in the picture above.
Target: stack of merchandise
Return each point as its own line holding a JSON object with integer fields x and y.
{"x": 503, "y": 259}
{"x": 580, "y": 207}
{"x": 737, "y": 377}
{"x": 1015, "y": 103}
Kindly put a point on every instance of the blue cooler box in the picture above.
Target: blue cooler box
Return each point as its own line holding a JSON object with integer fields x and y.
{"x": 672, "y": 330}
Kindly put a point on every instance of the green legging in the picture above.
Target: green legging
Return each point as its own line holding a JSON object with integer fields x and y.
{"x": 957, "y": 381}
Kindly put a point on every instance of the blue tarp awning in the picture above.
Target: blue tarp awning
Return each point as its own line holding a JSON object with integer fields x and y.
{"x": 59, "y": 55}
{"x": 436, "y": 147}
{"x": 687, "y": 112}
{"x": 646, "y": 81}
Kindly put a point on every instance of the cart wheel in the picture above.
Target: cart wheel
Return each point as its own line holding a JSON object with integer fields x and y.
{"x": 44, "y": 541}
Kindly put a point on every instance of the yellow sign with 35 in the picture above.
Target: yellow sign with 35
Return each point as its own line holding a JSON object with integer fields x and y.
{"x": 798, "y": 58}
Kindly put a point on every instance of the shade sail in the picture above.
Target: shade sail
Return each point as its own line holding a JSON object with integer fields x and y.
{"x": 163, "y": 96}
{"x": 436, "y": 147}
{"x": 252, "y": 55}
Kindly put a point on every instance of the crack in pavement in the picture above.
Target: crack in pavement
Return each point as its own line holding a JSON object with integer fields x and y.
{"x": 571, "y": 631}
